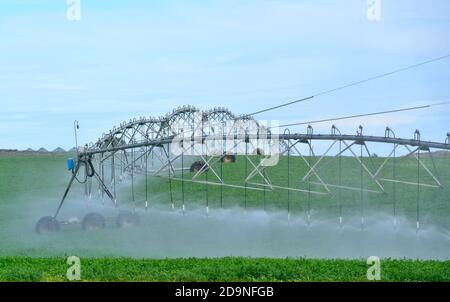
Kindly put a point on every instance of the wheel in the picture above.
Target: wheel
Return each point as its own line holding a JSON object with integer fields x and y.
{"x": 226, "y": 159}
{"x": 259, "y": 151}
{"x": 47, "y": 224}
{"x": 198, "y": 165}
{"x": 93, "y": 221}
{"x": 127, "y": 219}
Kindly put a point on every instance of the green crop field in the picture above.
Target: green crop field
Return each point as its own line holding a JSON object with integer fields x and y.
{"x": 223, "y": 269}
{"x": 170, "y": 246}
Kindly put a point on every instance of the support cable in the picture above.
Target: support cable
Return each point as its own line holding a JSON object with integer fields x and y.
{"x": 382, "y": 75}
{"x": 363, "y": 115}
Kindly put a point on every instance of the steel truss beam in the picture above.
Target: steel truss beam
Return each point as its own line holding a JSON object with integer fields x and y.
{"x": 154, "y": 137}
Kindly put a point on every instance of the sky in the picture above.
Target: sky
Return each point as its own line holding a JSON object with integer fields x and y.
{"x": 126, "y": 59}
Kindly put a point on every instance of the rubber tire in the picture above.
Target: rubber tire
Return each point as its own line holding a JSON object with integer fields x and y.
{"x": 259, "y": 152}
{"x": 228, "y": 159}
{"x": 47, "y": 224}
{"x": 127, "y": 219}
{"x": 93, "y": 221}
{"x": 196, "y": 166}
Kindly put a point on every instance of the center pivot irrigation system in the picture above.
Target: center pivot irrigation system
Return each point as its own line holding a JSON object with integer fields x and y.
{"x": 191, "y": 146}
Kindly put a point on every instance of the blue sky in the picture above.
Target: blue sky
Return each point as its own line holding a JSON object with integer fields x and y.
{"x": 142, "y": 58}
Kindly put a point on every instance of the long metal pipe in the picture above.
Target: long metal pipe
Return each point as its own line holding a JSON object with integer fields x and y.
{"x": 296, "y": 136}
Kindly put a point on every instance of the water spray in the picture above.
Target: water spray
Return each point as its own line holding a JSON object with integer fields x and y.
{"x": 136, "y": 138}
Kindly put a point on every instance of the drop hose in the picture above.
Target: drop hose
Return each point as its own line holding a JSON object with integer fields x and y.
{"x": 90, "y": 170}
